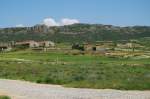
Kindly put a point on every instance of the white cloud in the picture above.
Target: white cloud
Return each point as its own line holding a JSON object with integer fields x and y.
{"x": 19, "y": 25}
{"x": 50, "y": 22}
{"x": 65, "y": 21}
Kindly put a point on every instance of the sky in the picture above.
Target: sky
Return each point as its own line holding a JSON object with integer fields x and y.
{"x": 61, "y": 12}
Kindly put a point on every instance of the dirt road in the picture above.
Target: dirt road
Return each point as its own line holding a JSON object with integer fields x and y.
{"x": 27, "y": 90}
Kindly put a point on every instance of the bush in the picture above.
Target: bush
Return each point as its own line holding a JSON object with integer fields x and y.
{"x": 4, "y": 97}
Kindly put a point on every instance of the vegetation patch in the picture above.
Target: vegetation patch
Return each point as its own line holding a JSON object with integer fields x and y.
{"x": 5, "y": 97}
{"x": 83, "y": 71}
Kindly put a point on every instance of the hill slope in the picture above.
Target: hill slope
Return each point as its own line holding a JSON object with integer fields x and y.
{"x": 74, "y": 33}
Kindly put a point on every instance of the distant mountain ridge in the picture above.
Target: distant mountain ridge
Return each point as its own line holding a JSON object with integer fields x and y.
{"x": 74, "y": 33}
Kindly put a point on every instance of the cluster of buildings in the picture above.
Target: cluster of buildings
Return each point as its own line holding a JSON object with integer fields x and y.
{"x": 100, "y": 46}
{"x": 27, "y": 44}
{"x": 103, "y": 46}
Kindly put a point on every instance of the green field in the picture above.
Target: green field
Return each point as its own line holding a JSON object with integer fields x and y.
{"x": 77, "y": 70}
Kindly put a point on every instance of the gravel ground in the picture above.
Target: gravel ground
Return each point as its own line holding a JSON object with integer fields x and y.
{"x": 27, "y": 90}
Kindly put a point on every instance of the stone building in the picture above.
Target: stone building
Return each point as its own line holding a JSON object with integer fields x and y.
{"x": 27, "y": 44}
{"x": 99, "y": 46}
{"x": 46, "y": 44}
{"x": 5, "y": 46}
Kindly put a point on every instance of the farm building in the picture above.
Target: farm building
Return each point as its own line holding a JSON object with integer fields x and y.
{"x": 27, "y": 44}
{"x": 46, "y": 44}
{"x": 5, "y": 46}
{"x": 99, "y": 46}
{"x": 34, "y": 44}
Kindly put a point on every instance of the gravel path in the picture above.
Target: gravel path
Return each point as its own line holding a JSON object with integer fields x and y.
{"x": 26, "y": 90}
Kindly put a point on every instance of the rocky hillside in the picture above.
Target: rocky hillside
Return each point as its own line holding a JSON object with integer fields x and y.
{"x": 74, "y": 33}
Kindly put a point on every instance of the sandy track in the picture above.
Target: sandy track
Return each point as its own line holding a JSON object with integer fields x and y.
{"x": 26, "y": 90}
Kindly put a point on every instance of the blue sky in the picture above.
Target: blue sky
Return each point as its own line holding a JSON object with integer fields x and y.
{"x": 114, "y": 12}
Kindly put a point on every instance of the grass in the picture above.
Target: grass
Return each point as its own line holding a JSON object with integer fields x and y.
{"x": 84, "y": 71}
{"x": 4, "y": 97}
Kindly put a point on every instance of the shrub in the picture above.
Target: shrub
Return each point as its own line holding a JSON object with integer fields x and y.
{"x": 4, "y": 97}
